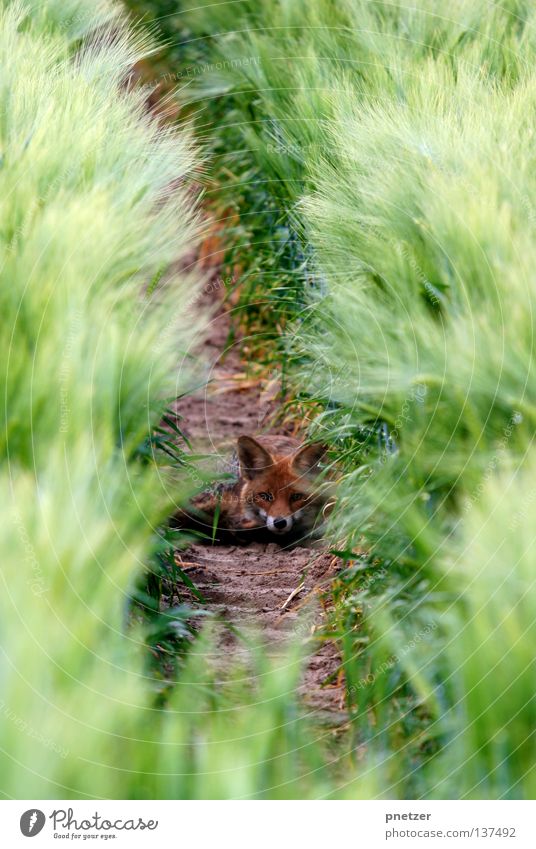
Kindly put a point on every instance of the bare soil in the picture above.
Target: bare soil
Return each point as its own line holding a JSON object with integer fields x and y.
{"x": 264, "y": 589}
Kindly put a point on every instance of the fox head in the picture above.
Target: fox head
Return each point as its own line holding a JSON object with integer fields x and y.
{"x": 278, "y": 489}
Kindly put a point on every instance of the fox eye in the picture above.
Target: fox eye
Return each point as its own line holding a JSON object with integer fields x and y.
{"x": 297, "y": 496}
{"x": 266, "y": 496}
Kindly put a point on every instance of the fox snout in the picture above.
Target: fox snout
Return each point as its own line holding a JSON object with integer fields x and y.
{"x": 277, "y": 523}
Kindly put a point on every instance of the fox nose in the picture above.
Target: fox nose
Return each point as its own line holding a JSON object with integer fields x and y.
{"x": 280, "y": 524}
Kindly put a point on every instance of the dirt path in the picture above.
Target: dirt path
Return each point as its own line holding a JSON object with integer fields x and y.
{"x": 256, "y": 587}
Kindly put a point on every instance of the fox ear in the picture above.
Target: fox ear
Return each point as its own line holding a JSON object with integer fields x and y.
{"x": 305, "y": 462}
{"x": 253, "y": 458}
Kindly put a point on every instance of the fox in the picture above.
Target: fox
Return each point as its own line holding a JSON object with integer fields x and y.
{"x": 276, "y": 492}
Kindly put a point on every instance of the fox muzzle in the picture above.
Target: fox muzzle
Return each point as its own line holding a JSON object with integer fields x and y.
{"x": 279, "y": 524}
